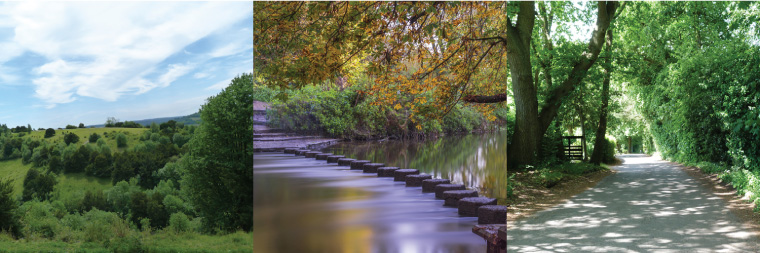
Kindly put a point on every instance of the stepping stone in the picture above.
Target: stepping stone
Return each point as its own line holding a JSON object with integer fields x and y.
{"x": 302, "y": 151}
{"x": 290, "y": 150}
{"x": 358, "y": 164}
{"x": 451, "y": 198}
{"x": 439, "y": 189}
{"x": 400, "y": 175}
{"x": 372, "y": 167}
{"x": 492, "y": 214}
{"x": 469, "y": 206}
{"x": 416, "y": 180}
{"x": 428, "y": 185}
{"x": 334, "y": 158}
{"x": 386, "y": 171}
{"x": 312, "y": 154}
{"x": 345, "y": 161}
{"x": 323, "y": 156}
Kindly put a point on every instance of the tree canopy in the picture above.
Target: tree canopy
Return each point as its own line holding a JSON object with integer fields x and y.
{"x": 219, "y": 178}
{"x": 454, "y": 50}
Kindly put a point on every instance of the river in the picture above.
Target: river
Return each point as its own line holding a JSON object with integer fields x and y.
{"x": 306, "y": 205}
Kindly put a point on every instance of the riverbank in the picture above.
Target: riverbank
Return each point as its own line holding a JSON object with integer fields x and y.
{"x": 349, "y": 114}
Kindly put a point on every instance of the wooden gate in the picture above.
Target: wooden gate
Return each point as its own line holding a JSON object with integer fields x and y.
{"x": 573, "y": 147}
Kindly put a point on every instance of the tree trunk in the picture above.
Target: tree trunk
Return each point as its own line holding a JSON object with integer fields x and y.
{"x": 601, "y": 132}
{"x": 582, "y": 117}
{"x": 526, "y": 136}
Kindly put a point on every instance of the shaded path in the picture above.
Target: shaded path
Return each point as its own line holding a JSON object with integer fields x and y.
{"x": 648, "y": 206}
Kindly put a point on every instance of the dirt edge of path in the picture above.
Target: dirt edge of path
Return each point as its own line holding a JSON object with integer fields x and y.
{"x": 548, "y": 198}
{"x": 742, "y": 208}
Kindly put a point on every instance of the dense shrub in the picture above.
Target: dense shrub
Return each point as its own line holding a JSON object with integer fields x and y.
{"x": 93, "y": 138}
{"x": 69, "y": 138}
{"x": 179, "y": 222}
{"x": 38, "y": 185}
{"x": 121, "y": 140}
{"x": 263, "y": 93}
{"x": 119, "y": 196}
{"x": 49, "y": 133}
{"x": 8, "y": 205}
{"x": 548, "y": 177}
{"x": 716, "y": 120}
{"x": 94, "y": 199}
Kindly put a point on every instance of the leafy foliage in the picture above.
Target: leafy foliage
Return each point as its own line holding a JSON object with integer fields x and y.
{"x": 38, "y": 185}
{"x": 219, "y": 179}
{"x": 70, "y": 137}
{"x": 8, "y": 219}
{"x": 49, "y": 133}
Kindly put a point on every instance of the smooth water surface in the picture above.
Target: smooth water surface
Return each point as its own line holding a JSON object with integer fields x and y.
{"x": 477, "y": 161}
{"x": 305, "y": 205}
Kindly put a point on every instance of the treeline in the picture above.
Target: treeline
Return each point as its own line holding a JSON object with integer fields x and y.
{"x": 350, "y": 114}
{"x": 697, "y": 87}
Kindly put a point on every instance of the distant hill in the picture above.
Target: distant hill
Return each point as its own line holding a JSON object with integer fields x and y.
{"x": 192, "y": 119}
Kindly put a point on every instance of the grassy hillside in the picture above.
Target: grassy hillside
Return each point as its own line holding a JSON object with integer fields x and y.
{"x": 68, "y": 183}
{"x": 133, "y": 135}
{"x": 76, "y": 184}
{"x": 15, "y": 170}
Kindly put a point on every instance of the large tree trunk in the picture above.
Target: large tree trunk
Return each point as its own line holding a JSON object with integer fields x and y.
{"x": 601, "y": 132}
{"x": 526, "y": 137}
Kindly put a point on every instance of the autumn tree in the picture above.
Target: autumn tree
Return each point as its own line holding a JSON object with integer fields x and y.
{"x": 450, "y": 49}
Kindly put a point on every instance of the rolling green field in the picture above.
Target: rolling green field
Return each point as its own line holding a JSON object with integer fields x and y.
{"x": 15, "y": 170}
{"x": 68, "y": 183}
{"x": 133, "y": 135}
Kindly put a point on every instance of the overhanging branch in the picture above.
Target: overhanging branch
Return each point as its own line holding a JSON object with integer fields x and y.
{"x": 486, "y": 99}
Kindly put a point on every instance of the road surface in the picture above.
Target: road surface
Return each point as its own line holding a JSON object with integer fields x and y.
{"x": 650, "y": 205}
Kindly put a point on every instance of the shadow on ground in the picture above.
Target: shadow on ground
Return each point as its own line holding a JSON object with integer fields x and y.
{"x": 649, "y": 205}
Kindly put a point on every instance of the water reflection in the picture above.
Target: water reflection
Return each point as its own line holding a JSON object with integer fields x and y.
{"x": 305, "y": 205}
{"x": 477, "y": 161}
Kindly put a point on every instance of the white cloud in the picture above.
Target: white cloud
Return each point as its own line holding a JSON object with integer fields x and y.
{"x": 175, "y": 71}
{"x": 200, "y": 75}
{"x": 106, "y": 50}
{"x": 220, "y": 85}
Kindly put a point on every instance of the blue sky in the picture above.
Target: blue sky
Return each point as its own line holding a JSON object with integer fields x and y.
{"x": 66, "y": 63}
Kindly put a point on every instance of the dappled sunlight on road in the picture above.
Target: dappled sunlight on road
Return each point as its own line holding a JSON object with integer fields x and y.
{"x": 649, "y": 205}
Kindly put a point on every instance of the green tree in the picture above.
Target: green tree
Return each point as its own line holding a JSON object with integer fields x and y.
{"x": 55, "y": 164}
{"x": 81, "y": 125}
{"x": 121, "y": 140}
{"x": 71, "y": 127}
{"x": 219, "y": 179}
{"x": 69, "y": 138}
{"x": 49, "y": 133}
{"x": 8, "y": 205}
{"x": 94, "y": 138}
{"x": 38, "y": 185}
